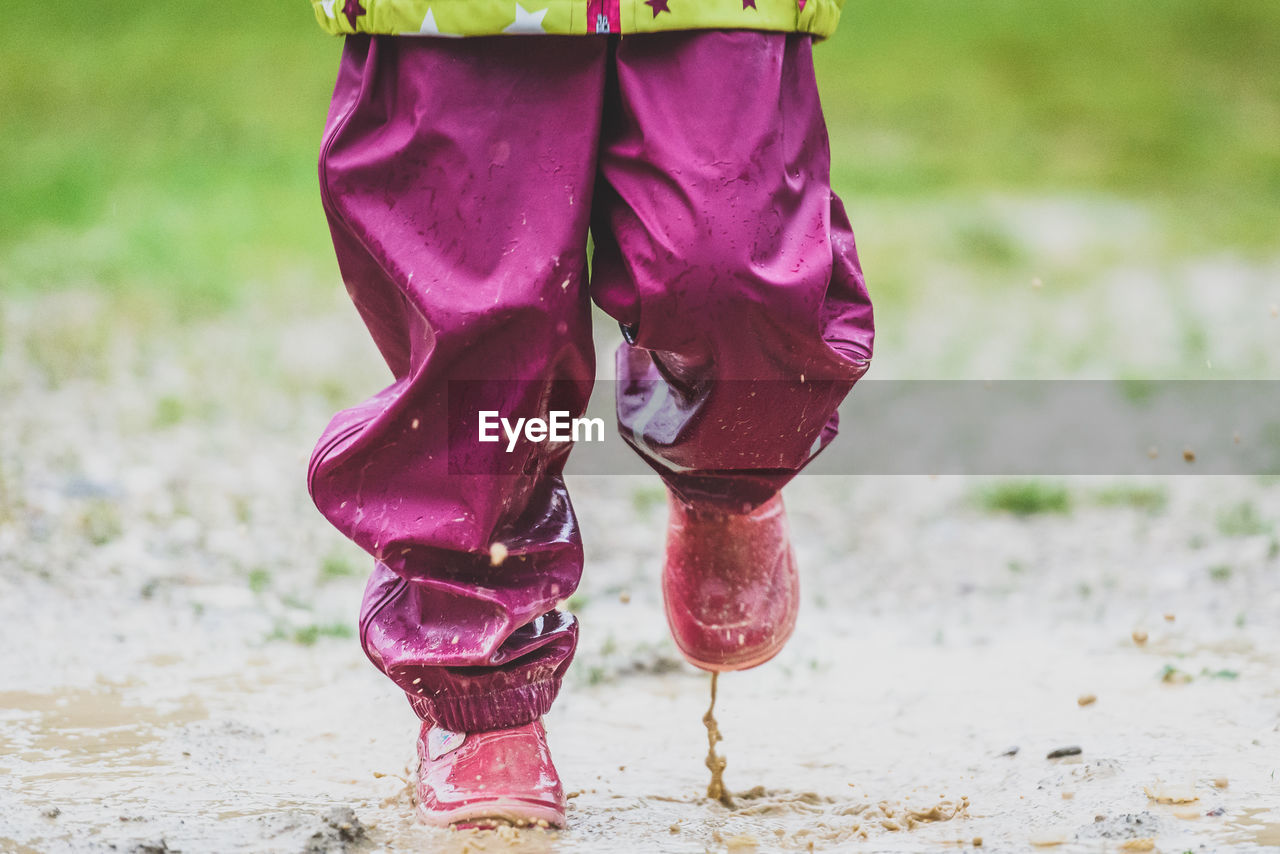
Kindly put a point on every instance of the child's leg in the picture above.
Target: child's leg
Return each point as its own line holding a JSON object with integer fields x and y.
{"x": 723, "y": 251}
{"x": 457, "y": 178}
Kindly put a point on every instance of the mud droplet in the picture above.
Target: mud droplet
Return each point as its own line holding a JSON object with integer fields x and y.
{"x": 1139, "y": 637}
{"x": 1086, "y": 699}
{"x": 1171, "y": 793}
{"x": 1050, "y": 837}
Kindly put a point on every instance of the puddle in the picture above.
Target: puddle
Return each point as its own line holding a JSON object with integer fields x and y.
{"x": 1256, "y": 826}
{"x": 79, "y": 732}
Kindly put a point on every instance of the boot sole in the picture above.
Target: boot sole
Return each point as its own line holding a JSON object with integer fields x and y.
{"x": 489, "y": 813}
{"x": 730, "y": 666}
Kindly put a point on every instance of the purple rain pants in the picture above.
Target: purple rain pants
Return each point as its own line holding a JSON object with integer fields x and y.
{"x": 460, "y": 179}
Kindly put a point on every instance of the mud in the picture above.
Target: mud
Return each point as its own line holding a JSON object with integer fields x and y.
{"x": 716, "y": 790}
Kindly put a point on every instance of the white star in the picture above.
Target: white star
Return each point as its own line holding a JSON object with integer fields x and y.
{"x": 430, "y": 28}
{"x": 327, "y": 5}
{"x": 527, "y": 22}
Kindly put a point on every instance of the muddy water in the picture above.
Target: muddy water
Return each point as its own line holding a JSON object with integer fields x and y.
{"x": 252, "y": 752}
{"x": 716, "y": 790}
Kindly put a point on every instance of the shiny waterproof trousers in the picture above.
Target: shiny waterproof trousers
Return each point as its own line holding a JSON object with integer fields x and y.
{"x": 460, "y": 178}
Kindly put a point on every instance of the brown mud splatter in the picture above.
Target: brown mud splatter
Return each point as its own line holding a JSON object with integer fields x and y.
{"x": 715, "y": 764}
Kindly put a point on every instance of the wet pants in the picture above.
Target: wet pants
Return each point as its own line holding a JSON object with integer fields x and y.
{"x": 460, "y": 178}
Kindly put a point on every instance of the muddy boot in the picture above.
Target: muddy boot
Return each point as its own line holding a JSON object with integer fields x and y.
{"x": 484, "y": 779}
{"x": 730, "y": 584}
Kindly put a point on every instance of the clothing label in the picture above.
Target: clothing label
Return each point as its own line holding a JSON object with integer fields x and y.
{"x": 442, "y": 741}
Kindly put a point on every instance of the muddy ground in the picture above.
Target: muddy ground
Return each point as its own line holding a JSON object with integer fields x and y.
{"x": 180, "y": 672}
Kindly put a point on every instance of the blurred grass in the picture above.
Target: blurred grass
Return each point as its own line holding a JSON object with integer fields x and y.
{"x": 165, "y": 152}
{"x": 1151, "y": 499}
{"x": 1024, "y": 497}
{"x": 164, "y": 148}
{"x": 1173, "y": 100}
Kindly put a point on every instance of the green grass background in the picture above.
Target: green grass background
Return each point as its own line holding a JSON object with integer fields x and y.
{"x": 165, "y": 151}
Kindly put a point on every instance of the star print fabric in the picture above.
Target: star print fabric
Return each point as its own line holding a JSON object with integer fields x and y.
{"x": 573, "y": 17}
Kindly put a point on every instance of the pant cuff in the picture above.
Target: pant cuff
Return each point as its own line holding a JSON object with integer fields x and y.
{"x": 501, "y": 709}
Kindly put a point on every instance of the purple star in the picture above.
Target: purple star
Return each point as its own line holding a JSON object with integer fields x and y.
{"x": 353, "y": 10}
{"x": 748, "y": 4}
{"x": 657, "y": 6}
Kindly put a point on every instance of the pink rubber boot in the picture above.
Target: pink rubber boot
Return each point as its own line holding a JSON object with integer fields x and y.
{"x": 483, "y": 779}
{"x": 730, "y": 584}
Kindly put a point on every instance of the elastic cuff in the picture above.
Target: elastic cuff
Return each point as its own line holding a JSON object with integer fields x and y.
{"x": 500, "y": 709}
